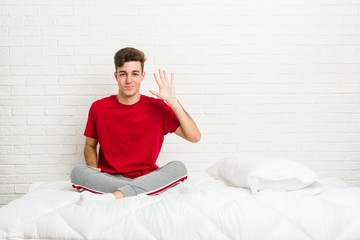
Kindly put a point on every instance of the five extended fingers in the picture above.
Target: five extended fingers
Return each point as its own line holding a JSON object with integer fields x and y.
{"x": 161, "y": 77}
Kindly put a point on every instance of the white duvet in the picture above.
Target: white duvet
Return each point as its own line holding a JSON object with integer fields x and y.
{"x": 200, "y": 208}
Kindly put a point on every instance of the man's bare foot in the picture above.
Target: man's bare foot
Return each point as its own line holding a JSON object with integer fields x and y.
{"x": 118, "y": 195}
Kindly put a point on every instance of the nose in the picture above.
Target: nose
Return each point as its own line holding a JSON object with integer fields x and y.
{"x": 128, "y": 79}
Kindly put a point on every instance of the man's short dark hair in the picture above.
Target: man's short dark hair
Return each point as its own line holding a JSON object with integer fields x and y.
{"x": 128, "y": 55}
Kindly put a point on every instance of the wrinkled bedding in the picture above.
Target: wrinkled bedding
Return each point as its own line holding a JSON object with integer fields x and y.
{"x": 199, "y": 208}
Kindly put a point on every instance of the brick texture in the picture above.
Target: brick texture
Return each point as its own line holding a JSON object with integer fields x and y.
{"x": 275, "y": 78}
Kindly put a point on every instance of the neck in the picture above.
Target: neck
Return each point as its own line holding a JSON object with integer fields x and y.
{"x": 128, "y": 100}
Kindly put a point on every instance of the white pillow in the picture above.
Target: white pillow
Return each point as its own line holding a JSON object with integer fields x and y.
{"x": 261, "y": 174}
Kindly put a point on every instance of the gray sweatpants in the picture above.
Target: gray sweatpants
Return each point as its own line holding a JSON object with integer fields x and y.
{"x": 86, "y": 178}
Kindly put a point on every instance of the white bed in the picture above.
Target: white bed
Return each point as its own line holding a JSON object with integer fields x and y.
{"x": 200, "y": 208}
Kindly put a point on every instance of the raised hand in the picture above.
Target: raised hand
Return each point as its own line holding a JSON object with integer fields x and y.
{"x": 166, "y": 87}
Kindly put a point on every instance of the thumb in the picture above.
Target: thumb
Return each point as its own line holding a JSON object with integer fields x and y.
{"x": 154, "y": 93}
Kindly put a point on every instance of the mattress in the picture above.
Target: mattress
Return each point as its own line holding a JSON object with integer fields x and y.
{"x": 200, "y": 208}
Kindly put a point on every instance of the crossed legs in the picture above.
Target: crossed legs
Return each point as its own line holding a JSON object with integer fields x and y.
{"x": 86, "y": 178}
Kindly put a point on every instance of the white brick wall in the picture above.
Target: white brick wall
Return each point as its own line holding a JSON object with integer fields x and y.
{"x": 277, "y": 78}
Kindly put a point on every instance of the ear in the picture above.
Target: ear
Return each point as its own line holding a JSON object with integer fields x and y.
{"x": 115, "y": 75}
{"x": 143, "y": 76}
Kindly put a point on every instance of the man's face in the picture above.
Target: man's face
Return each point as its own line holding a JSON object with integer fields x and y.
{"x": 129, "y": 78}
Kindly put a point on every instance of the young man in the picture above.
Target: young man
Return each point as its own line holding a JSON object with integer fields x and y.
{"x": 129, "y": 128}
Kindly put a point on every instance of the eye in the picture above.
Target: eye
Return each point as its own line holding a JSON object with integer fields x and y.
{"x": 121, "y": 74}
